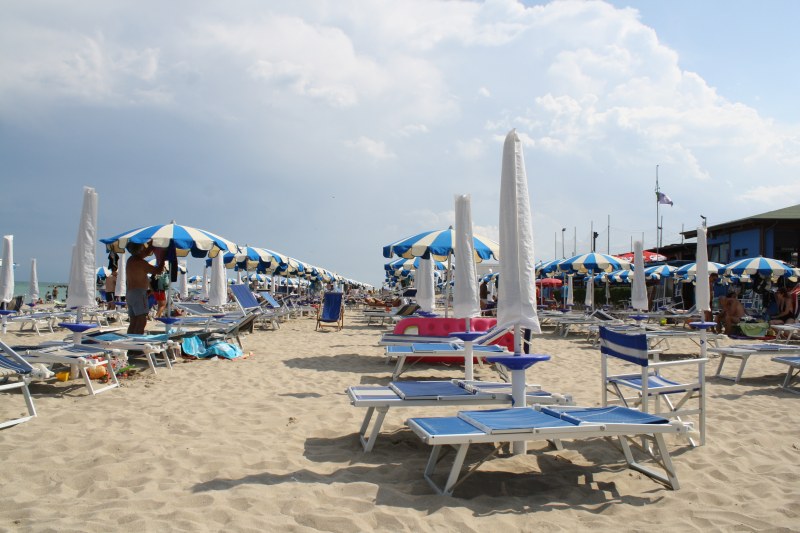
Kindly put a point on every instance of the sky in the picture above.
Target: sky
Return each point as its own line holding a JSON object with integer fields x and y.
{"x": 327, "y": 129}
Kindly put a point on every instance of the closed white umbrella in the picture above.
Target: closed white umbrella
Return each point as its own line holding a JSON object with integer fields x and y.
{"x": 466, "y": 296}
{"x": 121, "y": 288}
{"x": 33, "y": 286}
{"x": 702, "y": 290}
{"x": 183, "y": 282}
{"x": 82, "y": 271}
{"x": 638, "y": 288}
{"x": 588, "y": 300}
{"x": 7, "y": 273}
{"x": 516, "y": 305}
{"x": 204, "y": 292}
{"x": 570, "y": 299}
{"x": 218, "y": 292}
{"x": 423, "y": 280}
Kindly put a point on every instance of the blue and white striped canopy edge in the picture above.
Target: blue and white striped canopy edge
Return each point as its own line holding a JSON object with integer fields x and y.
{"x": 549, "y": 268}
{"x": 439, "y": 245}
{"x": 187, "y": 240}
{"x": 103, "y": 272}
{"x": 659, "y": 271}
{"x": 689, "y": 271}
{"x": 410, "y": 264}
{"x": 763, "y": 266}
{"x": 593, "y": 262}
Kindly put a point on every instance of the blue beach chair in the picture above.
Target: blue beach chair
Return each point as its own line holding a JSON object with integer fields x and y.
{"x": 331, "y": 313}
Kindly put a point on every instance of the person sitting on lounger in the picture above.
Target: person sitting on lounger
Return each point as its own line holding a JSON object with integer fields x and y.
{"x": 786, "y": 310}
{"x": 731, "y": 312}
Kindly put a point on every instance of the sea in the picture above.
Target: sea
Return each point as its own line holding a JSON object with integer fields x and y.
{"x": 21, "y": 289}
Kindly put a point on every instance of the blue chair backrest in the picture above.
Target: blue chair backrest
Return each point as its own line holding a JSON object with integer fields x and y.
{"x": 331, "y": 306}
{"x": 631, "y": 348}
{"x": 270, "y": 300}
{"x": 244, "y": 296}
{"x": 12, "y": 361}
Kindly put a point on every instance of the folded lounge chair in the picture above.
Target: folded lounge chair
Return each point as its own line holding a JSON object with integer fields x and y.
{"x": 13, "y": 365}
{"x": 543, "y": 423}
{"x": 150, "y": 345}
{"x": 330, "y": 313}
{"x": 379, "y": 399}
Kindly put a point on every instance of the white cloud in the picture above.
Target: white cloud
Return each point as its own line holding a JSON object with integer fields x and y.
{"x": 486, "y": 93}
{"x": 376, "y": 149}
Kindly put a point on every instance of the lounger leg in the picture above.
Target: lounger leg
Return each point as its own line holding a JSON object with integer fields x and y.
{"x": 669, "y": 477}
{"x": 741, "y": 368}
{"x": 369, "y": 443}
{"x": 398, "y": 369}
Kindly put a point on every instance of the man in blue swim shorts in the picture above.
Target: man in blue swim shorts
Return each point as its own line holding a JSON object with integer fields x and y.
{"x": 137, "y": 285}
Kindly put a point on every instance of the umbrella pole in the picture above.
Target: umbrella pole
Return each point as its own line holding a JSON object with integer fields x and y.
{"x": 468, "y": 366}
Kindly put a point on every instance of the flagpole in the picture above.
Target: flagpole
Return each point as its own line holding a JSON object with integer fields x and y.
{"x": 657, "y": 209}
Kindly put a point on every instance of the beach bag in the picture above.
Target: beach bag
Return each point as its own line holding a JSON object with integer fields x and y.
{"x": 160, "y": 283}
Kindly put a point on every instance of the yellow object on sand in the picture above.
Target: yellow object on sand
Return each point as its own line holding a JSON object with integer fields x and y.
{"x": 63, "y": 376}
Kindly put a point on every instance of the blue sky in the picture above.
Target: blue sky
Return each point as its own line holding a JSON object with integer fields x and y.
{"x": 325, "y": 130}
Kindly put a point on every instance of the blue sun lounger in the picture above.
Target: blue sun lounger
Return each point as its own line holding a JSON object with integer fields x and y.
{"x": 543, "y": 423}
{"x": 379, "y": 399}
{"x": 149, "y": 345}
{"x": 420, "y": 351}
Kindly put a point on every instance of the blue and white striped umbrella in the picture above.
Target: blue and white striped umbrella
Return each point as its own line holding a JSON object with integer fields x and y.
{"x": 689, "y": 271}
{"x": 548, "y": 268}
{"x": 195, "y": 279}
{"x": 659, "y": 271}
{"x": 103, "y": 272}
{"x": 763, "y": 266}
{"x": 593, "y": 262}
{"x": 410, "y": 264}
{"x": 439, "y": 245}
{"x": 185, "y": 239}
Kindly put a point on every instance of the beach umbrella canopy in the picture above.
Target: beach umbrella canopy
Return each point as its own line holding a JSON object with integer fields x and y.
{"x": 593, "y": 262}
{"x": 33, "y": 286}
{"x": 423, "y": 280}
{"x": 549, "y": 282}
{"x": 649, "y": 256}
{"x": 195, "y": 279}
{"x": 659, "y": 271}
{"x": 184, "y": 239}
{"x": 439, "y": 245}
{"x": 689, "y": 271}
{"x": 764, "y": 266}
{"x": 410, "y": 264}
{"x": 466, "y": 297}
{"x": 7, "y": 272}
{"x": 548, "y": 268}
{"x": 639, "y": 289}
{"x": 81, "y": 292}
{"x": 103, "y": 273}
{"x": 516, "y": 304}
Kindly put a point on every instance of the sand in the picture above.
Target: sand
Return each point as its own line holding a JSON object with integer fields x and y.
{"x": 269, "y": 443}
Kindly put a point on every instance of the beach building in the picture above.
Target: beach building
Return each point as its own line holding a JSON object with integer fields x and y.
{"x": 774, "y": 234}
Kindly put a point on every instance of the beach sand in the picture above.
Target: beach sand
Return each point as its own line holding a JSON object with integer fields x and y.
{"x": 269, "y": 443}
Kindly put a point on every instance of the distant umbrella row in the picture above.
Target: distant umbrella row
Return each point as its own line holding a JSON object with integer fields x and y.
{"x": 182, "y": 241}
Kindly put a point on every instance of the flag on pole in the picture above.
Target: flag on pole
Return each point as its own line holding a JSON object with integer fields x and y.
{"x": 663, "y": 198}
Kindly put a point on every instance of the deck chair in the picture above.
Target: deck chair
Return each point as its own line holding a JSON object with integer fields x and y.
{"x": 248, "y": 304}
{"x": 553, "y": 424}
{"x": 792, "y": 372}
{"x": 280, "y": 311}
{"x": 12, "y": 365}
{"x": 330, "y": 314}
{"x": 379, "y": 399}
{"x": 648, "y": 382}
{"x": 745, "y": 350}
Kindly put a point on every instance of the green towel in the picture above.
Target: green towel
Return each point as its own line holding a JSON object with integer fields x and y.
{"x": 754, "y": 329}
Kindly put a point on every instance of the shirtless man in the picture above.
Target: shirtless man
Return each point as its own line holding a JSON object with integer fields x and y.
{"x": 137, "y": 283}
{"x": 786, "y": 310}
{"x": 731, "y": 313}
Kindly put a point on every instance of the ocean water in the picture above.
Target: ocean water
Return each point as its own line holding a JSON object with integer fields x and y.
{"x": 21, "y": 288}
